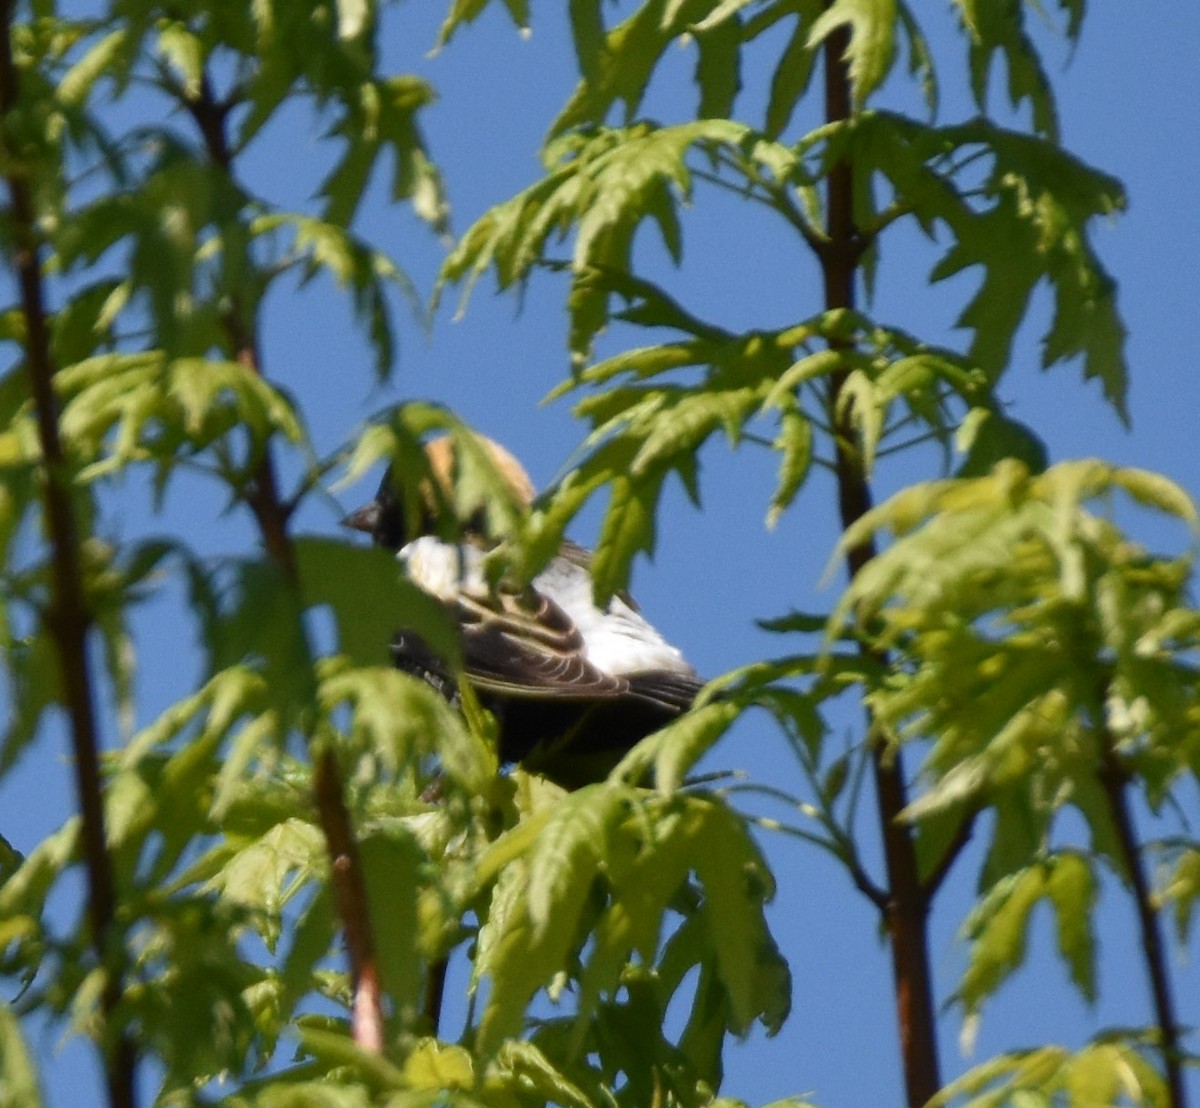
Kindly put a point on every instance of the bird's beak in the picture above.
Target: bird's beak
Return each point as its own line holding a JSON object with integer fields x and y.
{"x": 365, "y": 518}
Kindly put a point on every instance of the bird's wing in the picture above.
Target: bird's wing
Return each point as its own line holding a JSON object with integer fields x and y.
{"x": 549, "y": 641}
{"x": 528, "y": 646}
{"x": 666, "y": 688}
{"x": 513, "y": 644}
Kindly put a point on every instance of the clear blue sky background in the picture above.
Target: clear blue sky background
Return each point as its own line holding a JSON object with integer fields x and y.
{"x": 1128, "y": 97}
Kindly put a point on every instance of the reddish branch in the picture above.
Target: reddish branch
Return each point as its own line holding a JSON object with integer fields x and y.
{"x": 69, "y": 618}
{"x": 272, "y": 515}
{"x": 350, "y": 895}
{"x": 906, "y": 907}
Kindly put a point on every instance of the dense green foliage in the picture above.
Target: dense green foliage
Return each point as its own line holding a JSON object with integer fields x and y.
{"x": 310, "y": 825}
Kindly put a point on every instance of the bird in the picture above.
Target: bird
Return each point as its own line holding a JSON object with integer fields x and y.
{"x": 572, "y": 685}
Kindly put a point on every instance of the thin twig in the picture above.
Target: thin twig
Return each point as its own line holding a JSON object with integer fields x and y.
{"x": 839, "y": 844}
{"x": 916, "y": 440}
{"x": 69, "y": 618}
{"x": 859, "y": 877}
{"x": 774, "y": 197}
{"x": 885, "y": 217}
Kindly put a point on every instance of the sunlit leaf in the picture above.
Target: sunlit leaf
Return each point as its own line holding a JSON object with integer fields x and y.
{"x": 21, "y": 1086}
{"x": 1000, "y": 29}
{"x": 871, "y": 47}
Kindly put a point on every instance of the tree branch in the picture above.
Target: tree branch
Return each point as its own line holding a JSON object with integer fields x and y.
{"x": 435, "y": 992}
{"x": 906, "y": 910}
{"x": 1115, "y": 780}
{"x": 272, "y": 514}
{"x": 69, "y": 618}
{"x": 350, "y": 895}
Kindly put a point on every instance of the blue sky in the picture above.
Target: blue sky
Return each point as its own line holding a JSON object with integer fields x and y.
{"x": 1128, "y": 96}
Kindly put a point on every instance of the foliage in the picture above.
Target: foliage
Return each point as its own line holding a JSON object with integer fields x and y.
{"x": 999, "y": 625}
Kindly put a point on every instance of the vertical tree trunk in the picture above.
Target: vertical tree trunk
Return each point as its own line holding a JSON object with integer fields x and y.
{"x": 906, "y": 906}
{"x": 69, "y": 618}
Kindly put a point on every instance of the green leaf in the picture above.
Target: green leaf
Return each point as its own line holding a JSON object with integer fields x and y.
{"x": 795, "y": 622}
{"x": 265, "y": 872}
{"x": 920, "y": 59}
{"x": 437, "y": 1066}
{"x": 646, "y": 878}
{"x": 623, "y": 67}
{"x": 1013, "y": 204}
{"x": 718, "y": 69}
{"x": 872, "y": 46}
{"x": 190, "y": 945}
{"x": 124, "y": 408}
{"x": 1000, "y": 29}
{"x": 369, "y": 275}
{"x": 353, "y": 18}
{"x": 312, "y": 936}
{"x": 76, "y": 84}
{"x": 371, "y": 600}
{"x": 997, "y": 928}
{"x": 24, "y": 892}
{"x": 531, "y": 1069}
{"x": 737, "y": 883}
{"x": 32, "y": 671}
{"x": 536, "y": 904}
{"x": 987, "y": 437}
{"x": 383, "y": 118}
{"x": 158, "y": 800}
{"x": 337, "y": 1050}
{"x": 604, "y": 183}
{"x": 1183, "y": 889}
{"x": 260, "y": 624}
{"x": 462, "y": 12}
{"x": 481, "y": 496}
{"x": 393, "y": 866}
{"x": 1072, "y": 890}
{"x": 399, "y": 719}
{"x": 1104, "y": 1072}
{"x": 568, "y": 853}
{"x": 677, "y": 747}
{"x": 998, "y": 925}
{"x": 793, "y": 73}
{"x": 510, "y": 956}
{"x": 184, "y": 52}
{"x": 628, "y": 529}
{"x": 20, "y": 1088}
{"x": 1043, "y": 200}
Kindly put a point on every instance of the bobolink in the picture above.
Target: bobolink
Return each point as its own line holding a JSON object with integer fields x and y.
{"x": 572, "y": 686}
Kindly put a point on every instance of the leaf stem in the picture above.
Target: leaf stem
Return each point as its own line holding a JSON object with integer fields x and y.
{"x": 69, "y": 618}
{"x": 773, "y": 196}
{"x": 906, "y": 908}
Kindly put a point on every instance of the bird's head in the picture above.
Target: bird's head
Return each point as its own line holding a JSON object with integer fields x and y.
{"x": 431, "y": 503}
